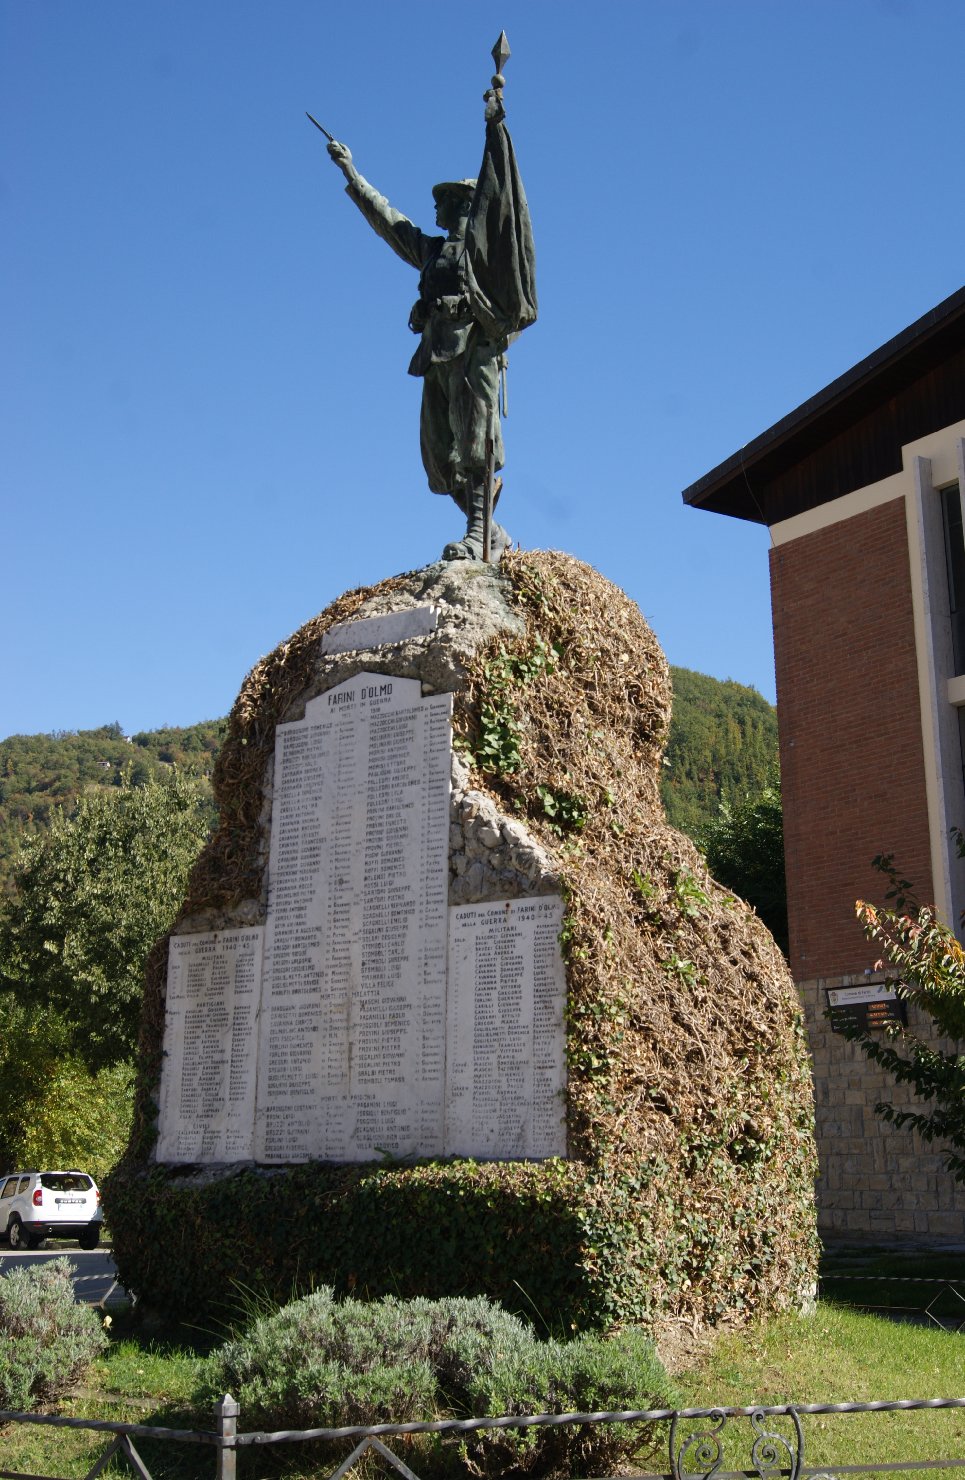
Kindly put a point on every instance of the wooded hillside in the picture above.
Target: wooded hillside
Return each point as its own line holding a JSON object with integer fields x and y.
{"x": 722, "y": 748}
{"x": 39, "y": 773}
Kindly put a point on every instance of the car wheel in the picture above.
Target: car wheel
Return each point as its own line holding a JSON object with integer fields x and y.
{"x": 15, "y": 1233}
{"x": 90, "y": 1238}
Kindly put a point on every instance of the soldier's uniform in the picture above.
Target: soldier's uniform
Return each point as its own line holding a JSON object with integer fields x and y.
{"x": 458, "y": 365}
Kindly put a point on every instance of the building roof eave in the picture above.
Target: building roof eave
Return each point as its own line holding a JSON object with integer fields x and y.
{"x": 727, "y": 489}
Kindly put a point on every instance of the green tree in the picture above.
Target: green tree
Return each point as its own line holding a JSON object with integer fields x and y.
{"x": 93, "y": 894}
{"x": 931, "y": 965}
{"x": 54, "y": 1111}
{"x": 745, "y": 853}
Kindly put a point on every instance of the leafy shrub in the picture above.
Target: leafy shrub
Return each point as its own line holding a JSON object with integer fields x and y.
{"x": 47, "y": 1340}
{"x": 452, "y": 1228}
{"x": 312, "y": 1364}
{"x": 589, "y": 1374}
{"x": 931, "y": 963}
{"x": 320, "y": 1362}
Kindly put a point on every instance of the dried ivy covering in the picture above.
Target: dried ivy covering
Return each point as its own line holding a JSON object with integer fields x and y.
{"x": 688, "y": 1192}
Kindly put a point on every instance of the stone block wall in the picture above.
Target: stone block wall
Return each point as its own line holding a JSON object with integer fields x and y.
{"x": 874, "y": 1182}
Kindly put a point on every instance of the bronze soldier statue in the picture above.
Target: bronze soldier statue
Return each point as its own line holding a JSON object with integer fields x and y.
{"x": 476, "y": 293}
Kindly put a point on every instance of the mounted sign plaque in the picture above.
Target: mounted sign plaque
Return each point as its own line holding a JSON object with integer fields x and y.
{"x": 857, "y": 1009}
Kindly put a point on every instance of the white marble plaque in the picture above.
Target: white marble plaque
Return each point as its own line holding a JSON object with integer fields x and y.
{"x": 210, "y": 1046}
{"x": 373, "y": 632}
{"x": 352, "y": 1036}
{"x": 505, "y": 1034}
{"x": 366, "y": 1016}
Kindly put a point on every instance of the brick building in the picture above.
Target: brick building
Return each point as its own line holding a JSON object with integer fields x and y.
{"x": 862, "y": 490}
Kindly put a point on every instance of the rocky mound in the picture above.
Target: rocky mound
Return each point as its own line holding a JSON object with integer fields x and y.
{"x": 687, "y": 1191}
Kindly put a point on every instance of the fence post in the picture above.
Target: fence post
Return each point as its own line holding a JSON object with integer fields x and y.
{"x": 226, "y": 1426}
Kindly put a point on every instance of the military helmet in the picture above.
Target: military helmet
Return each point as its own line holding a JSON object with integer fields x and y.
{"x": 463, "y": 188}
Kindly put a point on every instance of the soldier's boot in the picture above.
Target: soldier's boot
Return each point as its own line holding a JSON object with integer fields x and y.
{"x": 469, "y": 500}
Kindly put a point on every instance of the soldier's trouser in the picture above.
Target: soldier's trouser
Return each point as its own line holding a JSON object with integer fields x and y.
{"x": 459, "y": 404}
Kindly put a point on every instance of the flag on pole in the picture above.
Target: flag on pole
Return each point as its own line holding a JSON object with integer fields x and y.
{"x": 501, "y": 257}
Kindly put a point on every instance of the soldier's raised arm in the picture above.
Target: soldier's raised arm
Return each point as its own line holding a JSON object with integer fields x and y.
{"x": 405, "y": 239}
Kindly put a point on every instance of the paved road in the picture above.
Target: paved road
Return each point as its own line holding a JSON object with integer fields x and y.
{"x": 95, "y": 1278}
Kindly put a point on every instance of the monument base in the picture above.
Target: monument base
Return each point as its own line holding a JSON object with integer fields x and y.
{"x": 629, "y": 1108}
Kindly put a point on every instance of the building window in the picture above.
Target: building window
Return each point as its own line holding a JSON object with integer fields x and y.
{"x": 955, "y": 566}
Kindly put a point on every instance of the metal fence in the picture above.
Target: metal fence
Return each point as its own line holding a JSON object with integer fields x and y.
{"x": 700, "y": 1442}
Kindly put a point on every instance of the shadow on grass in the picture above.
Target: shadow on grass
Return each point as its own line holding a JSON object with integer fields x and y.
{"x": 925, "y": 1286}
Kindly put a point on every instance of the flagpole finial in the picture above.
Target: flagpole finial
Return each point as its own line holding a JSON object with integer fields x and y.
{"x": 493, "y": 97}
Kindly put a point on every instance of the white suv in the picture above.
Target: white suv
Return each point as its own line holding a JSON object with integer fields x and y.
{"x": 39, "y": 1205}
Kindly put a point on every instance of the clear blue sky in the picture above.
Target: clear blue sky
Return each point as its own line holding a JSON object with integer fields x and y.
{"x": 206, "y": 428}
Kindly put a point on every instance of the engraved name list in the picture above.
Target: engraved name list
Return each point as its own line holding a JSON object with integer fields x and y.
{"x": 366, "y": 1016}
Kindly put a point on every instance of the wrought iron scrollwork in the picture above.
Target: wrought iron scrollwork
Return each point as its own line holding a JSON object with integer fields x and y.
{"x": 771, "y": 1451}
{"x": 701, "y": 1454}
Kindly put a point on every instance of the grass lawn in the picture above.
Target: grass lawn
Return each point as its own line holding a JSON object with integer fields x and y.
{"x": 135, "y": 1381}
{"x": 836, "y": 1355}
{"x": 841, "y": 1356}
